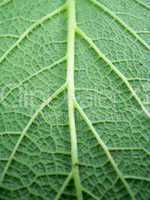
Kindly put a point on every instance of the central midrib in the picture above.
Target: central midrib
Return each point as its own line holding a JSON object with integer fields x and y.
{"x": 71, "y": 95}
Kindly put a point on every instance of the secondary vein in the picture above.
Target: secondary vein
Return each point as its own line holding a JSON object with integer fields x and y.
{"x": 113, "y": 67}
{"x": 71, "y": 95}
{"x": 69, "y": 177}
{"x": 121, "y": 22}
{"x": 24, "y": 132}
{"x": 104, "y": 147}
{"x": 30, "y": 29}
{"x": 61, "y": 60}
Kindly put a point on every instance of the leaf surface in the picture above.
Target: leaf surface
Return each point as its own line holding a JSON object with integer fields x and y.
{"x": 74, "y": 100}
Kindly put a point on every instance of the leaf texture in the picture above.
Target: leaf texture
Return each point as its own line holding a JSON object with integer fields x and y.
{"x": 74, "y": 100}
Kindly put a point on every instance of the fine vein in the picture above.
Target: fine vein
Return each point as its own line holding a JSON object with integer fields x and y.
{"x": 113, "y": 67}
{"x": 104, "y": 147}
{"x": 42, "y": 106}
{"x": 71, "y": 95}
{"x": 61, "y": 60}
{"x": 9, "y": 36}
{"x": 142, "y": 4}
{"x": 30, "y": 29}
{"x": 66, "y": 182}
{"x": 121, "y": 22}
{"x": 5, "y": 2}
{"x": 138, "y": 178}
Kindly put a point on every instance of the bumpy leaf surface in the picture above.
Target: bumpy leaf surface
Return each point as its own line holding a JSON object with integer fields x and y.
{"x": 74, "y": 99}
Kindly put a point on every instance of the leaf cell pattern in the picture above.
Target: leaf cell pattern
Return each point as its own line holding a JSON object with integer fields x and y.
{"x": 74, "y": 100}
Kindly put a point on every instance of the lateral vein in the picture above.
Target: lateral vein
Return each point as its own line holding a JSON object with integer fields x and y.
{"x": 61, "y": 60}
{"x": 30, "y": 29}
{"x": 104, "y": 147}
{"x": 66, "y": 182}
{"x": 42, "y": 106}
{"x": 113, "y": 67}
{"x": 121, "y": 22}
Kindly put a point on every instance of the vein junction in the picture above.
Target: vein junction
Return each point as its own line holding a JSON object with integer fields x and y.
{"x": 71, "y": 95}
{"x": 72, "y": 104}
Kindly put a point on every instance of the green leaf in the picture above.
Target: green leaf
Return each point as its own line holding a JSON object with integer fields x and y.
{"x": 74, "y": 100}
